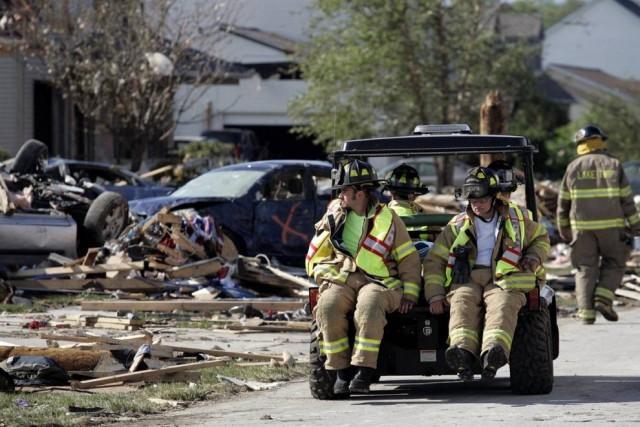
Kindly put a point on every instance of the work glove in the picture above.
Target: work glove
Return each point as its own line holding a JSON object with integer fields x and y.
{"x": 461, "y": 268}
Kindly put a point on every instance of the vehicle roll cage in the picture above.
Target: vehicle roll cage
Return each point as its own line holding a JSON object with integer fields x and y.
{"x": 443, "y": 144}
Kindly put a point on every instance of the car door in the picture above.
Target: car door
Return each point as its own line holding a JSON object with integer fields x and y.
{"x": 284, "y": 216}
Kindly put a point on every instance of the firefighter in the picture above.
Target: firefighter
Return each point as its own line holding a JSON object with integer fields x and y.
{"x": 508, "y": 184}
{"x": 364, "y": 262}
{"x": 595, "y": 205}
{"x": 507, "y": 176}
{"x": 481, "y": 265}
{"x": 404, "y": 185}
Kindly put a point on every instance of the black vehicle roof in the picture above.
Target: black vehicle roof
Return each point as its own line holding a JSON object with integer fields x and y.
{"x": 436, "y": 144}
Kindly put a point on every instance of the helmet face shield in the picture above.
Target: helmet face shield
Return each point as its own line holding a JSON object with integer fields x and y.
{"x": 474, "y": 191}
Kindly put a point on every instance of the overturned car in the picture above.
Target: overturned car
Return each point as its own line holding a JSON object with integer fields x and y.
{"x": 39, "y": 214}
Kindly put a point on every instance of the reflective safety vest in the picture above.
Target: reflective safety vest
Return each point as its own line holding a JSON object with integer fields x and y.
{"x": 373, "y": 252}
{"x": 404, "y": 208}
{"x": 508, "y": 273}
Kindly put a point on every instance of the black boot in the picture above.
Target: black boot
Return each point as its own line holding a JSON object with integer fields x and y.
{"x": 341, "y": 386}
{"x": 362, "y": 380}
{"x": 606, "y": 309}
{"x": 461, "y": 361}
{"x": 493, "y": 359}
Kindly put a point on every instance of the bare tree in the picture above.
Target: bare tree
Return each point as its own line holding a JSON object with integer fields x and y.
{"x": 122, "y": 62}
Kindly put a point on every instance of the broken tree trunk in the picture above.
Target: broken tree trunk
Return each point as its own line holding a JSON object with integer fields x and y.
{"x": 492, "y": 123}
{"x": 69, "y": 359}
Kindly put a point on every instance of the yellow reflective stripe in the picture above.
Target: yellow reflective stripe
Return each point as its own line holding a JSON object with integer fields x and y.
{"x": 404, "y": 250}
{"x": 517, "y": 282}
{"x": 563, "y": 222}
{"x": 464, "y": 333}
{"x": 597, "y": 224}
{"x": 606, "y": 293}
{"x": 633, "y": 219}
{"x": 331, "y": 273}
{"x": 586, "y": 313}
{"x": 412, "y": 289}
{"x": 497, "y": 334}
{"x": 334, "y": 347}
{"x": 391, "y": 282}
{"x": 434, "y": 280}
{"x": 366, "y": 344}
{"x": 439, "y": 250}
{"x": 564, "y": 194}
{"x": 595, "y": 193}
{"x": 626, "y": 192}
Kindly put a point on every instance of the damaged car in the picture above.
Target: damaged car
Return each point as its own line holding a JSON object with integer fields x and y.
{"x": 41, "y": 214}
{"x": 265, "y": 207}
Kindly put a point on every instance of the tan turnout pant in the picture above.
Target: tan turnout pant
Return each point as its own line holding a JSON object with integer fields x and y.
{"x": 600, "y": 257}
{"x": 480, "y": 302}
{"x": 371, "y": 302}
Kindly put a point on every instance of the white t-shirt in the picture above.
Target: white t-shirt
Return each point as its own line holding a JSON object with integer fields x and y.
{"x": 486, "y": 239}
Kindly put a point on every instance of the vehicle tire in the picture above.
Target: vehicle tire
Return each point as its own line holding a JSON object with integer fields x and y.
{"x": 531, "y": 359}
{"x": 320, "y": 380}
{"x": 27, "y": 159}
{"x": 106, "y": 218}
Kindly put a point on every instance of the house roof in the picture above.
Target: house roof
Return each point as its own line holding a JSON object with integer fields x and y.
{"x": 265, "y": 38}
{"x": 593, "y": 84}
{"x": 516, "y": 25}
{"x": 631, "y": 5}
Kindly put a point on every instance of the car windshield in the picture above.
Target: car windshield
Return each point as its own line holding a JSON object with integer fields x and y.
{"x": 220, "y": 183}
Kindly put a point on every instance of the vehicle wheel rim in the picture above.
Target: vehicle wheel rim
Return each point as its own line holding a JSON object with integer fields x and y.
{"x": 114, "y": 223}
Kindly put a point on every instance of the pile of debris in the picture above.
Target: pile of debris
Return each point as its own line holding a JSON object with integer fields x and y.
{"x": 175, "y": 255}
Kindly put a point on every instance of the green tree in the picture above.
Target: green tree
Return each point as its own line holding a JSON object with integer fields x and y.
{"x": 620, "y": 122}
{"x": 551, "y": 11}
{"x": 122, "y": 62}
{"x": 381, "y": 67}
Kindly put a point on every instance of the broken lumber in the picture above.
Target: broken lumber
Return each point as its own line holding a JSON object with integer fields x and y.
{"x": 76, "y": 269}
{"x": 147, "y": 375}
{"x": 628, "y": 294}
{"x": 222, "y": 353}
{"x": 191, "y": 305}
{"x": 133, "y": 284}
{"x": 202, "y": 268}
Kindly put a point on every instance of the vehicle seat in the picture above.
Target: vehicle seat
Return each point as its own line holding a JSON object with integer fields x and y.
{"x": 294, "y": 189}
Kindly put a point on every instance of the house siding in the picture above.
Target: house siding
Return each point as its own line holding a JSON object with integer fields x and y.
{"x": 9, "y": 116}
{"x": 602, "y": 34}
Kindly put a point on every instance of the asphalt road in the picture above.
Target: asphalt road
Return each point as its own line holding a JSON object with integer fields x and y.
{"x": 597, "y": 381}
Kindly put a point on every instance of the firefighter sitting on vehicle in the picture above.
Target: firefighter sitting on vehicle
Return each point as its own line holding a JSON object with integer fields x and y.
{"x": 364, "y": 260}
{"x": 508, "y": 184}
{"x": 403, "y": 183}
{"x": 481, "y": 265}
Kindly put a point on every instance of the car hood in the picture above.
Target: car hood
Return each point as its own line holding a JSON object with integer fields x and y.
{"x": 150, "y": 206}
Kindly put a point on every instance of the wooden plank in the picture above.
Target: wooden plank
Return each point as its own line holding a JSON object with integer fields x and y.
{"x": 632, "y": 286}
{"x": 101, "y": 325}
{"x": 60, "y": 259}
{"x": 192, "y": 305}
{"x": 90, "y": 257}
{"x": 116, "y": 320}
{"x": 269, "y": 328}
{"x": 202, "y": 268}
{"x": 51, "y": 284}
{"x": 186, "y": 245}
{"x": 628, "y": 294}
{"x": 147, "y": 375}
{"x": 134, "y": 341}
{"x": 107, "y": 284}
{"x": 223, "y": 353}
{"x": 77, "y": 269}
{"x": 304, "y": 283}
